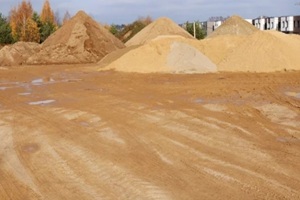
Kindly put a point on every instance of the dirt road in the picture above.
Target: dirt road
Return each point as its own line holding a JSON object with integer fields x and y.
{"x": 69, "y": 132}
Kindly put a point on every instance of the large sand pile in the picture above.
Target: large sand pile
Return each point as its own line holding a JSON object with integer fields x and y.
{"x": 165, "y": 54}
{"x": 238, "y": 46}
{"x": 161, "y": 26}
{"x": 264, "y": 51}
{"x": 17, "y": 53}
{"x": 235, "y": 25}
{"x": 80, "y": 40}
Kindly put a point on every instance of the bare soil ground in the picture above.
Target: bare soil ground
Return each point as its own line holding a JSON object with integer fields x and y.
{"x": 69, "y": 132}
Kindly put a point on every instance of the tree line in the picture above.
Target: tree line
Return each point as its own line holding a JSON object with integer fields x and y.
{"x": 126, "y": 32}
{"x": 25, "y": 24}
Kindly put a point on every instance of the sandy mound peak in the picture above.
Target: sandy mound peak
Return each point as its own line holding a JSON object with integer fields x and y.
{"x": 161, "y": 26}
{"x": 80, "y": 40}
{"x": 18, "y": 53}
{"x": 163, "y": 55}
{"x": 234, "y": 25}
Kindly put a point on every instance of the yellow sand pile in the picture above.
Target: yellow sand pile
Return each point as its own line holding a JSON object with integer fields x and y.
{"x": 234, "y": 25}
{"x": 161, "y": 26}
{"x": 80, "y": 40}
{"x": 251, "y": 50}
{"x": 165, "y": 54}
{"x": 18, "y": 53}
{"x": 264, "y": 52}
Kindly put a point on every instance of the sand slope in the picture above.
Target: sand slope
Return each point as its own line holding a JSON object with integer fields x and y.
{"x": 80, "y": 40}
{"x": 161, "y": 26}
{"x": 218, "y": 48}
{"x": 264, "y": 52}
{"x": 17, "y": 53}
{"x": 119, "y": 136}
{"x": 165, "y": 54}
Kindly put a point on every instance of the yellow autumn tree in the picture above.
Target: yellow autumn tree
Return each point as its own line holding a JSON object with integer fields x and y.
{"x": 47, "y": 14}
{"x": 18, "y": 18}
{"x": 31, "y": 33}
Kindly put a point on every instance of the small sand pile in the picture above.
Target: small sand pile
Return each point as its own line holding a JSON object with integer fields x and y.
{"x": 161, "y": 26}
{"x": 235, "y": 25}
{"x": 80, "y": 40}
{"x": 165, "y": 54}
{"x": 18, "y": 53}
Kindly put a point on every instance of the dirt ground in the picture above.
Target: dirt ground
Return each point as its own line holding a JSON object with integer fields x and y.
{"x": 70, "y": 132}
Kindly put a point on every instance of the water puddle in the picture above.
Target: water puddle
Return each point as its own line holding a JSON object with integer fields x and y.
{"x": 288, "y": 139}
{"x": 293, "y": 94}
{"x": 43, "y": 102}
{"x": 199, "y": 100}
{"x": 40, "y": 81}
{"x": 37, "y": 81}
{"x": 24, "y": 93}
{"x": 72, "y": 80}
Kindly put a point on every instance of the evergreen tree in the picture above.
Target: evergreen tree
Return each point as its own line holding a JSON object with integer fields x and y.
{"x": 46, "y": 30}
{"x": 200, "y": 32}
{"x": 37, "y": 19}
{"x": 113, "y": 29}
{"x": 5, "y": 31}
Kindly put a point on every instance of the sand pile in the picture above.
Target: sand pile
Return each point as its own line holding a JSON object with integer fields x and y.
{"x": 17, "y": 53}
{"x": 165, "y": 54}
{"x": 80, "y": 40}
{"x": 162, "y": 47}
{"x": 161, "y": 26}
{"x": 264, "y": 51}
{"x": 235, "y": 25}
{"x": 239, "y": 46}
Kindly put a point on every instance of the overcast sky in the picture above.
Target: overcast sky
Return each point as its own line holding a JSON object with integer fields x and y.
{"x": 126, "y": 11}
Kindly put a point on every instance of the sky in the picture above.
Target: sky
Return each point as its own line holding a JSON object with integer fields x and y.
{"x": 127, "y": 11}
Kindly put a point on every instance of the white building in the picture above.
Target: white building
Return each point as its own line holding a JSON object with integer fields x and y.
{"x": 287, "y": 24}
{"x": 273, "y": 23}
{"x": 212, "y": 26}
{"x": 217, "y": 24}
{"x": 260, "y": 23}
